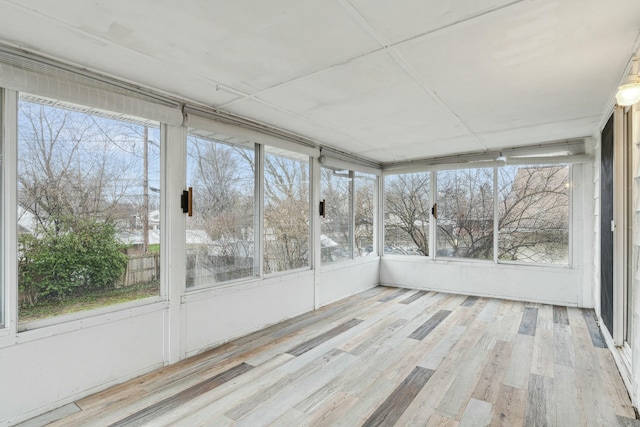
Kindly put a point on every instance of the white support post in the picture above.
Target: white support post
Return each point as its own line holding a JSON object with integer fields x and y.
{"x": 258, "y": 211}
{"x": 172, "y": 238}
{"x": 619, "y": 221}
{"x": 9, "y": 209}
{"x": 314, "y": 220}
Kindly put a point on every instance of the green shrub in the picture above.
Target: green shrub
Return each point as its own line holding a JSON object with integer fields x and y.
{"x": 75, "y": 257}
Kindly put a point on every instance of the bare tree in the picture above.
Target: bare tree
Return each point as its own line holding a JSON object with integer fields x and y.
{"x": 407, "y": 211}
{"x": 533, "y": 207}
{"x": 534, "y": 213}
{"x": 68, "y": 167}
{"x": 465, "y": 213}
{"x": 223, "y": 208}
{"x": 286, "y": 213}
{"x": 336, "y": 224}
{"x": 364, "y": 213}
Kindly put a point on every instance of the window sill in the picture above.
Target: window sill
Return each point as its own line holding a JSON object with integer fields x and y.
{"x": 200, "y": 293}
{"x": 338, "y": 265}
{"x": 478, "y": 262}
{"x": 85, "y": 319}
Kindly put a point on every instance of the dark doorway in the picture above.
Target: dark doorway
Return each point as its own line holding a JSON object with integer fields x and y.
{"x": 606, "y": 218}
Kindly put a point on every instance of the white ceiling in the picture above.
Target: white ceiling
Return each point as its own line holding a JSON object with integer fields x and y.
{"x": 385, "y": 80}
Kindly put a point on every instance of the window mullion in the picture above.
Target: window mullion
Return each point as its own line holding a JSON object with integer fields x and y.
{"x": 352, "y": 215}
{"x": 258, "y": 235}
{"x": 9, "y": 285}
{"x": 495, "y": 215}
{"x": 433, "y": 224}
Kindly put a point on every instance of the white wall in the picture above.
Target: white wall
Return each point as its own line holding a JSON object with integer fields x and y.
{"x": 217, "y": 315}
{"x": 52, "y": 366}
{"x": 347, "y": 278}
{"x": 549, "y": 285}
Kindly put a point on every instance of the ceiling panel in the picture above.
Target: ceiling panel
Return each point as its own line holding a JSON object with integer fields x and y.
{"x": 400, "y": 20}
{"x": 421, "y": 150}
{"x": 544, "y": 62}
{"x": 371, "y": 99}
{"x": 389, "y": 81}
{"x": 268, "y": 114}
{"x": 48, "y": 37}
{"x": 547, "y": 132}
{"x": 244, "y": 44}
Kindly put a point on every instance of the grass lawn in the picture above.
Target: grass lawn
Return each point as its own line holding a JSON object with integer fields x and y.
{"x": 87, "y": 301}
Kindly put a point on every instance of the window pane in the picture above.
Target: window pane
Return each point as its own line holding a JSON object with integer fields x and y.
{"x": 220, "y": 234}
{"x": 88, "y": 209}
{"x": 286, "y": 211}
{"x": 465, "y": 213}
{"x": 365, "y": 214}
{"x": 534, "y": 214}
{"x": 336, "y": 226}
{"x": 407, "y": 210}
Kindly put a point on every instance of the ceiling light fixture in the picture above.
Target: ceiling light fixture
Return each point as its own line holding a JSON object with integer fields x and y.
{"x": 629, "y": 92}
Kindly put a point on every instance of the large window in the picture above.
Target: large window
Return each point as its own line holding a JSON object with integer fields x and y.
{"x": 533, "y": 209}
{"x": 336, "y": 226}
{"x": 88, "y": 209}
{"x": 532, "y": 204}
{"x": 220, "y": 240}
{"x": 465, "y": 213}
{"x": 286, "y": 211}
{"x": 348, "y": 224}
{"x": 407, "y": 212}
{"x": 365, "y": 213}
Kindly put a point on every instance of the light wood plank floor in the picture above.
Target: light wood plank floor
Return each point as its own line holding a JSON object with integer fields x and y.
{"x": 387, "y": 357}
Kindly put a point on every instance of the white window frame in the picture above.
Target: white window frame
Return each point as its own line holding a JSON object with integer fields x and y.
{"x": 572, "y": 161}
{"x": 10, "y": 175}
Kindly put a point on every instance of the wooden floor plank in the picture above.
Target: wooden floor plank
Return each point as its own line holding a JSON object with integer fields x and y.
{"x": 469, "y": 361}
{"x": 488, "y": 388}
{"x": 466, "y": 378}
{"x": 614, "y": 385}
{"x": 477, "y": 414}
{"x": 470, "y": 301}
{"x": 429, "y": 325}
{"x": 413, "y": 297}
{"x": 182, "y": 397}
{"x": 264, "y": 411}
{"x": 423, "y": 407}
{"x": 488, "y": 314}
{"x": 393, "y": 407}
{"x": 316, "y": 341}
{"x": 394, "y": 295}
{"x": 627, "y": 422}
{"x": 529, "y": 321}
{"x": 560, "y": 315}
{"x": 593, "y": 400}
{"x": 520, "y": 365}
{"x": 542, "y": 359}
{"x": 432, "y": 359}
{"x": 438, "y": 420}
{"x": 52, "y": 416}
{"x": 594, "y": 331}
{"x": 540, "y": 394}
{"x": 565, "y": 397}
{"x": 510, "y": 406}
{"x": 563, "y": 353}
